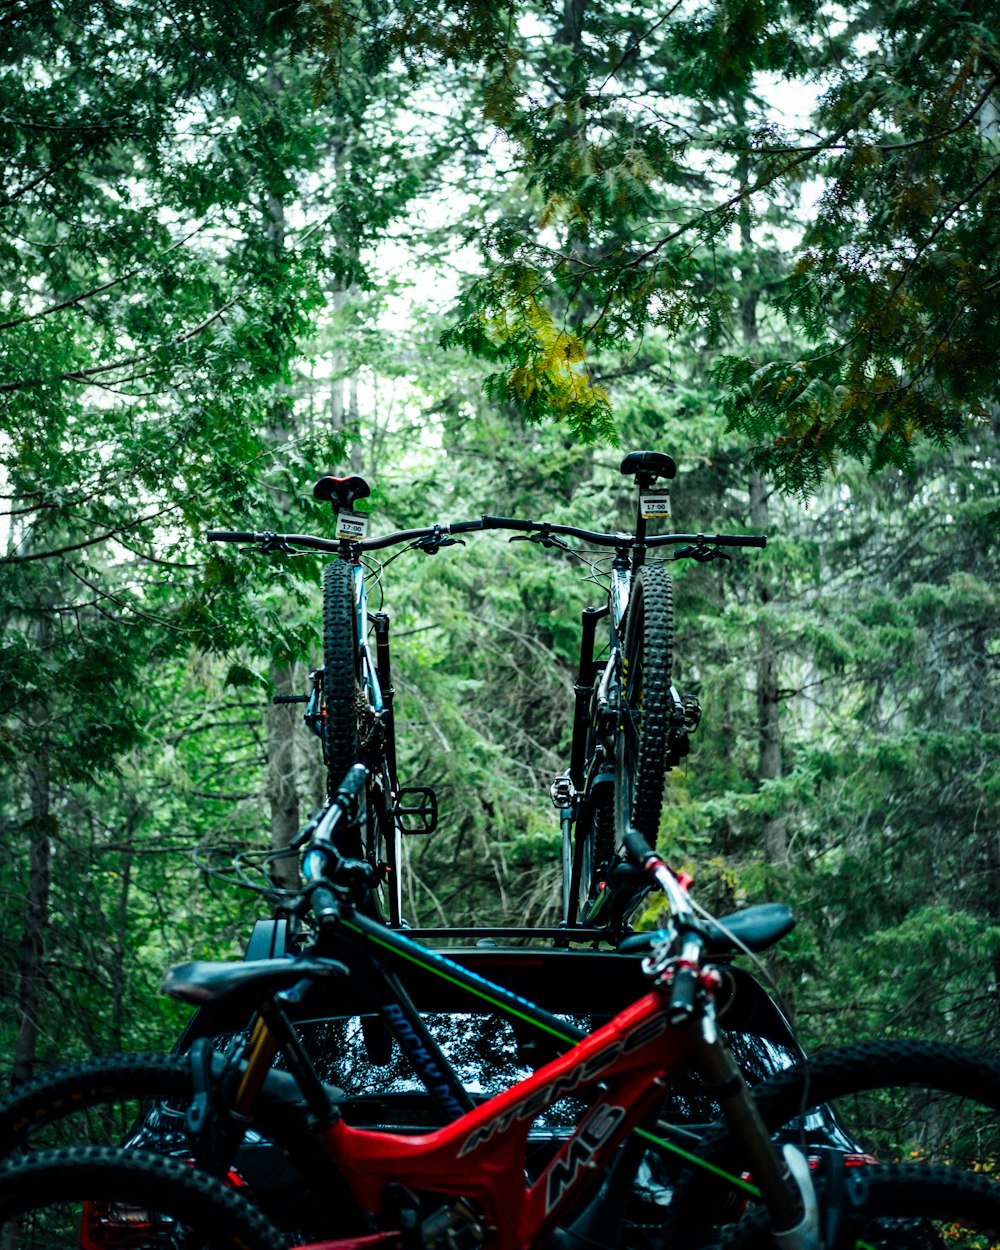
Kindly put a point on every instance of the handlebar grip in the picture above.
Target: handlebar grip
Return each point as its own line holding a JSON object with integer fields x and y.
{"x": 683, "y": 989}
{"x": 735, "y": 540}
{"x": 351, "y": 785}
{"x": 230, "y": 536}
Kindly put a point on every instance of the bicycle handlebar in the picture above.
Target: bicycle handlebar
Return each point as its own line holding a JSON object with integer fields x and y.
{"x": 485, "y": 522}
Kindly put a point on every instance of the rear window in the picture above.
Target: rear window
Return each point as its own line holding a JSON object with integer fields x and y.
{"x": 489, "y": 1056}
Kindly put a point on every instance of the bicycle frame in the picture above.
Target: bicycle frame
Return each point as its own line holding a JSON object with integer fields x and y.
{"x": 482, "y": 1155}
{"x": 597, "y": 711}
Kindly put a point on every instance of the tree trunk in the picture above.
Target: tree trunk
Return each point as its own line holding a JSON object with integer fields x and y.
{"x": 284, "y": 729}
{"x": 768, "y": 714}
{"x": 31, "y": 971}
{"x": 119, "y": 976}
{"x": 775, "y": 831}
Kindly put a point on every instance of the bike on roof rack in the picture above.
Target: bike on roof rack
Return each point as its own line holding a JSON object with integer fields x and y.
{"x": 630, "y": 722}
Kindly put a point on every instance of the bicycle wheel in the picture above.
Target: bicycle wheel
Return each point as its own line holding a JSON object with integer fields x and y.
{"x": 106, "y": 1199}
{"x": 644, "y": 737}
{"x": 142, "y": 1100}
{"x": 354, "y": 732}
{"x": 342, "y": 697}
{"x": 894, "y": 1207}
{"x": 883, "y": 1100}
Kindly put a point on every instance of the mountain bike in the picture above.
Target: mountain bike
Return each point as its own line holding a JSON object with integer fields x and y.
{"x": 467, "y": 1179}
{"x": 630, "y": 724}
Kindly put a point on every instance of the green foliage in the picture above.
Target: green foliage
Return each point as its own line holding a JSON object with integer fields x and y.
{"x": 653, "y": 167}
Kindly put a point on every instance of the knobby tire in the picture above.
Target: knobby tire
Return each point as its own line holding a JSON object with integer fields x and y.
{"x": 350, "y": 733}
{"x": 41, "y": 1196}
{"x": 644, "y": 737}
{"x": 101, "y": 1101}
{"x": 341, "y": 676}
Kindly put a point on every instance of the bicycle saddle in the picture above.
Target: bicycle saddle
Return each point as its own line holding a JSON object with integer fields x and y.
{"x": 206, "y": 982}
{"x": 342, "y": 491}
{"x": 756, "y": 927}
{"x": 647, "y": 465}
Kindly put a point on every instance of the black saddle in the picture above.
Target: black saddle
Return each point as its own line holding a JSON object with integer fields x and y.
{"x": 243, "y": 985}
{"x": 757, "y": 928}
{"x": 647, "y": 466}
{"x": 342, "y": 492}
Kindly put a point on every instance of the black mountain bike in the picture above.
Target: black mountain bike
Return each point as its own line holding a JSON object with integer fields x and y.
{"x": 630, "y": 723}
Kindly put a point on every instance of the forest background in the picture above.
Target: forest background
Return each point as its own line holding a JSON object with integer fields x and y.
{"x": 475, "y": 252}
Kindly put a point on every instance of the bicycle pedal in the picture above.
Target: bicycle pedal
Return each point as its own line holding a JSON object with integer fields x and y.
{"x": 562, "y": 791}
{"x": 692, "y": 713}
{"x": 289, "y": 698}
{"x": 416, "y": 809}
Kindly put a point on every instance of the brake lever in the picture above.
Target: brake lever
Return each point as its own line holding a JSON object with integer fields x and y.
{"x": 431, "y": 544}
{"x": 268, "y": 545}
{"x": 544, "y": 539}
{"x": 702, "y": 553}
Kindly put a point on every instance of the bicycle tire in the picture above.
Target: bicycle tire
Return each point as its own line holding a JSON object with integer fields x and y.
{"x": 150, "y": 1199}
{"x": 142, "y": 1098}
{"x": 352, "y": 734}
{"x": 341, "y": 674}
{"x": 644, "y": 736}
{"x": 881, "y": 1068}
{"x": 895, "y": 1206}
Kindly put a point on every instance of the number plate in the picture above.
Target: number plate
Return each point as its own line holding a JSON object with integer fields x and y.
{"x": 352, "y": 525}
{"x": 655, "y": 503}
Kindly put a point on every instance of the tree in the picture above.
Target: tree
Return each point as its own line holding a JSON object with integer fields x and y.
{"x": 892, "y": 293}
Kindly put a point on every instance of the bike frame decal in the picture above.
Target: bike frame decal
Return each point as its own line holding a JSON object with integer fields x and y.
{"x": 599, "y": 1125}
{"x": 634, "y": 1055}
{"x": 582, "y": 1074}
{"x": 420, "y": 1056}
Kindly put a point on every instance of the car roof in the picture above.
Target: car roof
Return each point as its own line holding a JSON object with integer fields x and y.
{"x": 560, "y": 980}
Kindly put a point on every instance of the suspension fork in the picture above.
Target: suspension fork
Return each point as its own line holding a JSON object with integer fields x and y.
{"x": 575, "y": 806}
{"x": 782, "y": 1178}
{"x": 584, "y": 690}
